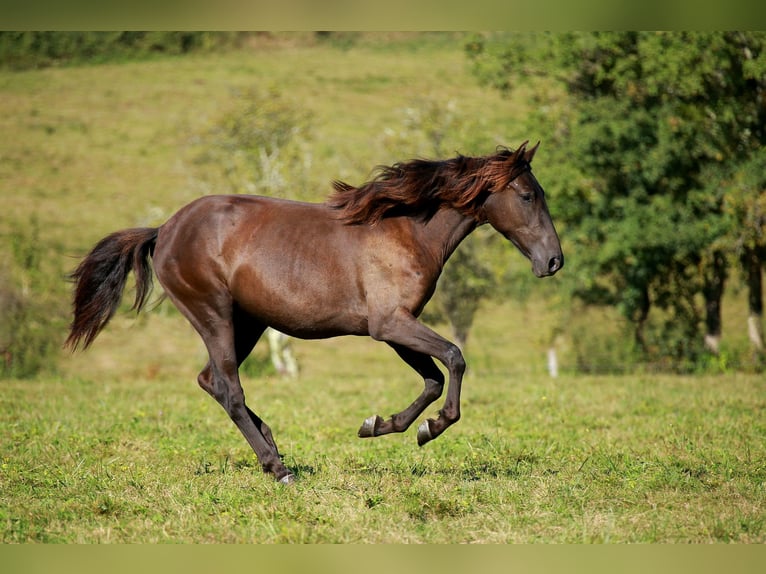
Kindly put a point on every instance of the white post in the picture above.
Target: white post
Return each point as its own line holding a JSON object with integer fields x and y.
{"x": 553, "y": 363}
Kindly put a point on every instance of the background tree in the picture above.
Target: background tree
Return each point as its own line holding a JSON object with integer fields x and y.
{"x": 430, "y": 126}
{"x": 258, "y": 145}
{"x": 654, "y": 128}
{"x": 33, "y": 302}
{"x": 745, "y": 205}
{"x": 39, "y": 49}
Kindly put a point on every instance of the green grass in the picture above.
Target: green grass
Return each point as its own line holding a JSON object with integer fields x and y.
{"x": 577, "y": 459}
{"x": 131, "y": 450}
{"x": 122, "y": 446}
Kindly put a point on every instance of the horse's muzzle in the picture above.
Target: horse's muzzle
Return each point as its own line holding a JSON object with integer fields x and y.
{"x": 546, "y": 268}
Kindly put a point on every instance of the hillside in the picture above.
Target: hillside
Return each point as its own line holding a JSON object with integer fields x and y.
{"x": 95, "y": 148}
{"x": 103, "y": 147}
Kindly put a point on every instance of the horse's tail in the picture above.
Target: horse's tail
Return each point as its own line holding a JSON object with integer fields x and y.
{"x": 100, "y": 280}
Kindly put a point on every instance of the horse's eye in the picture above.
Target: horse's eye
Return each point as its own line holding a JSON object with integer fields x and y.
{"x": 527, "y": 196}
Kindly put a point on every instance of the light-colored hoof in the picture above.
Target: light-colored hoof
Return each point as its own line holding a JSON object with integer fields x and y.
{"x": 368, "y": 427}
{"x": 424, "y": 433}
{"x": 287, "y": 479}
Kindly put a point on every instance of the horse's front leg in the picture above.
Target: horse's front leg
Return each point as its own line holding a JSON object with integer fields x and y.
{"x": 413, "y": 340}
{"x": 433, "y": 381}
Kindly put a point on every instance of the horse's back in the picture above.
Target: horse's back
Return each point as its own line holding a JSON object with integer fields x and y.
{"x": 225, "y": 226}
{"x": 290, "y": 264}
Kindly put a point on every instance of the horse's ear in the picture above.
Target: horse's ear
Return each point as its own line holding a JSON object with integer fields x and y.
{"x": 529, "y": 154}
{"x": 518, "y": 154}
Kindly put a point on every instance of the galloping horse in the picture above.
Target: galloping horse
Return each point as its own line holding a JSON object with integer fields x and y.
{"x": 363, "y": 263}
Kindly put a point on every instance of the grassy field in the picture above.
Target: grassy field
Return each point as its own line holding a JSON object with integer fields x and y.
{"x": 106, "y": 146}
{"x": 120, "y": 445}
{"x": 576, "y": 459}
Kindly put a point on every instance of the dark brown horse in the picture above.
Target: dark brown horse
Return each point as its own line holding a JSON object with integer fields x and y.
{"x": 364, "y": 263}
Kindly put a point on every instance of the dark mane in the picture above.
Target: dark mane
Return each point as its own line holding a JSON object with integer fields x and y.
{"x": 420, "y": 187}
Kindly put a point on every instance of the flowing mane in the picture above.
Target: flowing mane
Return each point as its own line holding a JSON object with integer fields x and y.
{"x": 420, "y": 187}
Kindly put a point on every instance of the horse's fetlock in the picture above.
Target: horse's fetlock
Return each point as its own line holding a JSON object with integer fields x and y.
{"x": 273, "y": 465}
{"x": 450, "y": 414}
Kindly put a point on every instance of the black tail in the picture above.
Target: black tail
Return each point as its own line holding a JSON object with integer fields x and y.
{"x": 100, "y": 280}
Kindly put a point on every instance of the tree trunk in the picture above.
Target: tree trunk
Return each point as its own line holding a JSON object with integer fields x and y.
{"x": 640, "y": 320}
{"x": 751, "y": 263}
{"x": 715, "y": 279}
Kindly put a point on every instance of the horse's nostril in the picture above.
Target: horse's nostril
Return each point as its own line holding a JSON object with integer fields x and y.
{"x": 554, "y": 264}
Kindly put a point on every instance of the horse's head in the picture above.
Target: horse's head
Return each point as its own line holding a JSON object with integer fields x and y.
{"x": 516, "y": 207}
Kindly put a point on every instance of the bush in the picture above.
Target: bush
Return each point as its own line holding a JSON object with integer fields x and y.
{"x": 24, "y": 50}
{"x": 257, "y": 145}
{"x": 32, "y": 304}
{"x": 602, "y": 341}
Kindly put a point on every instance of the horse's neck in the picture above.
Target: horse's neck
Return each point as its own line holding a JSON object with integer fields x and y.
{"x": 445, "y": 230}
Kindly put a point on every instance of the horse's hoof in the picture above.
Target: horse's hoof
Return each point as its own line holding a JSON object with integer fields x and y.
{"x": 424, "y": 433}
{"x": 289, "y": 478}
{"x": 368, "y": 427}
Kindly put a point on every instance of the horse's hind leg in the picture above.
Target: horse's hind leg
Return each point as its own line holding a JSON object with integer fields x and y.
{"x": 434, "y": 384}
{"x": 229, "y": 337}
{"x": 247, "y": 331}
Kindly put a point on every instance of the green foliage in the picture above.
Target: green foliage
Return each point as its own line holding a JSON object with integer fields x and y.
{"x": 655, "y": 126}
{"x": 31, "y": 304}
{"x": 429, "y": 127}
{"x": 744, "y": 205}
{"x": 258, "y": 144}
{"x": 23, "y": 50}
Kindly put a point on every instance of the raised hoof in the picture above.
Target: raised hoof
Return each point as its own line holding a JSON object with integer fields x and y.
{"x": 424, "y": 433}
{"x": 287, "y": 479}
{"x": 369, "y": 426}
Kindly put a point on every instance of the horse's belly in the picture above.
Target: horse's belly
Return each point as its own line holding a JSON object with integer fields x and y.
{"x": 303, "y": 301}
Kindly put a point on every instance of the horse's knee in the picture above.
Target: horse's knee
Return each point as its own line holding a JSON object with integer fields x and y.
{"x": 454, "y": 360}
